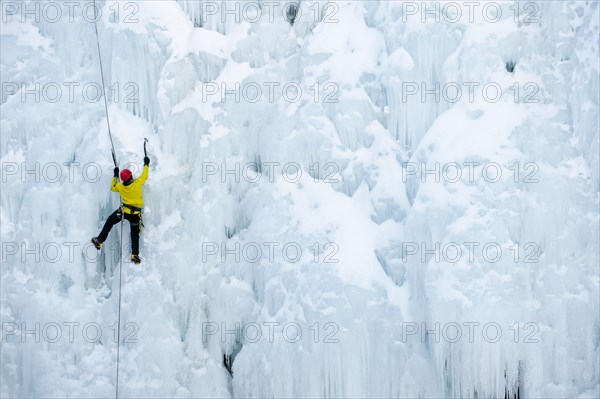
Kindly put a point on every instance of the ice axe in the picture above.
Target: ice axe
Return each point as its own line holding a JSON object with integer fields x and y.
{"x": 145, "y": 152}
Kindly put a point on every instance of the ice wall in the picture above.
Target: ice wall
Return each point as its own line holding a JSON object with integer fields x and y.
{"x": 354, "y": 294}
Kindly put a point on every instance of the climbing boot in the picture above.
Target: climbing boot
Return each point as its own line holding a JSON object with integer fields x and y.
{"x": 97, "y": 243}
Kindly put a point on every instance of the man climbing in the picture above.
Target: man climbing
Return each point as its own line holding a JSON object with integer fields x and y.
{"x": 131, "y": 194}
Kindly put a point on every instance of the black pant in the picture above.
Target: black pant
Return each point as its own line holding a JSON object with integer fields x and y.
{"x": 134, "y": 222}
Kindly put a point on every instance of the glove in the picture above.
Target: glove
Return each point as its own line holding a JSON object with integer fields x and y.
{"x": 146, "y": 161}
{"x": 116, "y": 170}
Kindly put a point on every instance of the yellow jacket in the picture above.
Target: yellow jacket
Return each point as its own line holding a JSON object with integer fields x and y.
{"x": 132, "y": 193}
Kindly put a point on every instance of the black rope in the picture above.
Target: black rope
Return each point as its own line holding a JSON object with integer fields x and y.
{"x": 104, "y": 86}
{"x": 119, "y": 317}
{"x": 122, "y": 213}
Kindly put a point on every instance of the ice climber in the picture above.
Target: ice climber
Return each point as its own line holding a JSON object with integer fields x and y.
{"x": 131, "y": 209}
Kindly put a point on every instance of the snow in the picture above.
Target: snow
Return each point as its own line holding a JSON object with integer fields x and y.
{"x": 303, "y": 241}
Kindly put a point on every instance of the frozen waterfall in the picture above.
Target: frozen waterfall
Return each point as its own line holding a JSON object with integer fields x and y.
{"x": 391, "y": 199}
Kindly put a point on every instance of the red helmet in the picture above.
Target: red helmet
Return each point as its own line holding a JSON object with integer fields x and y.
{"x": 126, "y": 175}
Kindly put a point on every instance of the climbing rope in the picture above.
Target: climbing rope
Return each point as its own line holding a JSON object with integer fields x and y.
{"x": 104, "y": 85}
{"x": 119, "y": 317}
{"x": 122, "y": 212}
